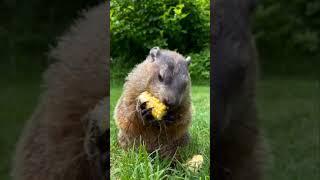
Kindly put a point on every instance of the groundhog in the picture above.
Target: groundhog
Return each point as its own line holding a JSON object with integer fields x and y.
{"x": 239, "y": 148}
{"x": 66, "y": 137}
{"x": 165, "y": 75}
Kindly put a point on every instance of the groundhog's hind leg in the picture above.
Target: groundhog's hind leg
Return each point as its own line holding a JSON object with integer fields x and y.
{"x": 170, "y": 150}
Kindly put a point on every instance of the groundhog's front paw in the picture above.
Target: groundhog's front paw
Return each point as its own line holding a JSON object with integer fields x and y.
{"x": 146, "y": 114}
{"x": 169, "y": 118}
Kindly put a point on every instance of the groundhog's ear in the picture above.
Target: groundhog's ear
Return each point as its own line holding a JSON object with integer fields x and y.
{"x": 188, "y": 59}
{"x": 154, "y": 52}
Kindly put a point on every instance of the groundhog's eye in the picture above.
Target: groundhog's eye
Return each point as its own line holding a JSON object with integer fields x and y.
{"x": 160, "y": 77}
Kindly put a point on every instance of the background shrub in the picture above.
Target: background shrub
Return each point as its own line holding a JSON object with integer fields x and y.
{"x": 288, "y": 37}
{"x": 200, "y": 65}
{"x": 138, "y": 25}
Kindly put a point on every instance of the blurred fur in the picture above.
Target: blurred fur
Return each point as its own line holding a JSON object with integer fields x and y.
{"x": 242, "y": 147}
{"x": 52, "y": 145}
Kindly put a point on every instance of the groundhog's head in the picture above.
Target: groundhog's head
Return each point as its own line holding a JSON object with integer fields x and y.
{"x": 170, "y": 79}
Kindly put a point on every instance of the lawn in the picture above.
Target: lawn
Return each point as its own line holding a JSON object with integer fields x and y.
{"x": 290, "y": 116}
{"x": 288, "y": 110}
{"x": 137, "y": 164}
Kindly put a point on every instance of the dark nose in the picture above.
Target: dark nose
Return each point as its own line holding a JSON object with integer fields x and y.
{"x": 170, "y": 102}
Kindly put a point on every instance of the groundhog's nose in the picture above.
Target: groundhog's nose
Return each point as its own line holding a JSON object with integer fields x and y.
{"x": 170, "y": 102}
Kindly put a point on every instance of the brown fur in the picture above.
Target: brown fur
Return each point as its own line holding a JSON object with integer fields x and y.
{"x": 52, "y": 145}
{"x": 133, "y": 129}
{"x": 240, "y": 148}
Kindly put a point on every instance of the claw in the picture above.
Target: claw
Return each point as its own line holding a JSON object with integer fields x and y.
{"x": 148, "y": 117}
{"x": 143, "y": 105}
{"x": 169, "y": 118}
{"x": 146, "y": 112}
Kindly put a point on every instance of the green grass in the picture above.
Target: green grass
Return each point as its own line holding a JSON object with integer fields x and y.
{"x": 137, "y": 164}
{"x": 290, "y": 115}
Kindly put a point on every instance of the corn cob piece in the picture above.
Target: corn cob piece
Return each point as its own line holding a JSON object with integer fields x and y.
{"x": 158, "y": 108}
{"x": 195, "y": 163}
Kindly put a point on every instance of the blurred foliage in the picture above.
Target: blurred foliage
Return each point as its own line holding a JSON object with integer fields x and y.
{"x": 138, "y": 25}
{"x": 120, "y": 68}
{"x": 200, "y": 65}
{"x": 288, "y": 30}
{"x": 29, "y": 27}
{"x": 287, "y": 35}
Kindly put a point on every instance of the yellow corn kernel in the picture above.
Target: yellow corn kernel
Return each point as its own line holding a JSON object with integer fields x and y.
{"x": 158, "y": 108}
{"x": 195, "y": 163}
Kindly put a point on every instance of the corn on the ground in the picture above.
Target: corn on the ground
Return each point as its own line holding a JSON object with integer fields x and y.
{"x": 158, "y": 108}
{"x": 195, "y": 163}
